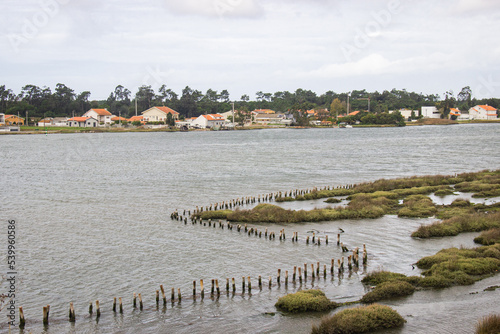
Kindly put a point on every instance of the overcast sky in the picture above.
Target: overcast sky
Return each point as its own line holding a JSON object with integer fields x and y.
{"x": 246, "y": 46}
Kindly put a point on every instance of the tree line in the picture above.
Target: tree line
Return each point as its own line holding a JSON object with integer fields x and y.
{"x": 64, "y": 101}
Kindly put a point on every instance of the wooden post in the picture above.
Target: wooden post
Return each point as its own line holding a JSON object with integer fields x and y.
{"x": 338, "y": 239}
{"x": 294, "y": 273}
{"x": 317, "y": 269}
{"x": 305, "y": 271}
{"x": 338, "y": 265}
{"x": 45, "y": 316}
{"x": 140, "y": 302}
{"x": 227, "y": 285}
{"x": 300, "y": 275}
{"x": 114, "y": 304}
{"x": 90, "y": 308}
{"x": 121, "y": 305}
{"x": 135, "y": 301}
{"x": 365, "y": 255}
{"x": 22, "y": 321}
{"x": 172, "y": 295}
{"x": 212, "y": 290}
{"x": 72, "y": 317}
{"x": 97, "y": 309}
{"x": 234, "y": 285}
{"x": 331, "y": 269}
{"x": 163, "y": 295}
{"x": 202, "y": 290}
{"x": 307, "y": 240}
{"x": 243, "y": 284}
{"x": 314, "y": 237}
{"x": 270, "y": 282}
{"x": 194, "y": 289}
{"x": 249, "y": 285}
{"x": 296, "y": 236}
{"x": 157, "y": 298}
{"x": 260, "y": 282}
{"x": 312, "y": 270}
{"x": 349, "y": 262}
{"x": 286, "y": 277}
{"x": 279, "y": 276}
{"x": 326, "y": 239}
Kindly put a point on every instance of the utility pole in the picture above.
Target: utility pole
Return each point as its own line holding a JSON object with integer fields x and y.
{"x": 233, "y": 115}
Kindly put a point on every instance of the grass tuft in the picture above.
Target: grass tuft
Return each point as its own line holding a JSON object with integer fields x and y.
{"x": 305, "y": 301}
{"x": 388, "y": 290}
{"x": 360, "y": 320}
{"x": 489, "y": 325}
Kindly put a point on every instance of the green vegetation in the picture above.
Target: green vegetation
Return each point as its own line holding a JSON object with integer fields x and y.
{"x": 333, "y": 200}
{"x": 377, "y": 277}
{"x": 489, "y": 325}
{"x": 417, "y": 206}
{"x": 488, "y": 237}
{"x": 386, "y": 290}
{"x": 360, "y": 320}
{"x": 305, "y": 301}
{"x": 475, "y": 222}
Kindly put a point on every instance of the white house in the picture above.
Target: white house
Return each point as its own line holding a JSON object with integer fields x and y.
{"x": 455, "y": 113}
{"x": 103, "y": 116}
{"x": 406, "y": 113}
{"x": 83, "y": 122}
{"x": 159, "y": 114}
{"x": 2, "y": 119}
{"x": 208, "y": 121}
{"x": 54, "y": 121}
{"x": 265, "y": 118}
{"x": 430, "y": 112}
{"x": 483, "y": 112}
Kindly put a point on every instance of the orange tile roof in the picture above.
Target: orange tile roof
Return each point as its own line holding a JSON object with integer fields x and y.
{"x": 354, "y": 113}
{"x": 116, "y": 118}
{"x": 487, "y": 107}
{"x": 167, "y": 110}
{"x": 213, "y": 117}
{"x": 79, "y": 119}
{"x": 136, "y": 118}
{"x": 267, "y": 111}
{"x": 101, "y": 112}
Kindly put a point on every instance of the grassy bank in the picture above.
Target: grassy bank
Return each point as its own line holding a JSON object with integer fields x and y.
{"x": 488, "y": 237}
{"x": 360, "y": 320}
{"x": 305, "y": 301}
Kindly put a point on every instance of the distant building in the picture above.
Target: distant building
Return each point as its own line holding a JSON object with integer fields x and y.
{"x": 137, "y": 119}
{"x": 407, "y": 113}
{"x": 53, "y": 121}
{"x": 13, "y": 120}
{"x": 430, "y": 112}
{"x": 483, "y": 112}
{"x": 455, "y": 113}
{"x": 83, "y": 122}
{"x": 2, "y": 119}
{"x": 103, "y": 116}
{"x": 208, "y": 121}
{"x": 159, "y": 114}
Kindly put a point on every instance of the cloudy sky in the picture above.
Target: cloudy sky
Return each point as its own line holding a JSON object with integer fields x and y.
{"x": 246, "y": 46}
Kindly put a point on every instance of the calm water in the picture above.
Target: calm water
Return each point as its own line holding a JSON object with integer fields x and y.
{"x": 93, "y": 223}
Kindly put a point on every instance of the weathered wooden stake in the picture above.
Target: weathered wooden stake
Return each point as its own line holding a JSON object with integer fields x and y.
{"x": 365, "y": 255}
{"x": 114, "y": 304}
{"x": 324, "y": 270}
{"x": 135, "y": 301}
{"x": 286, "y": 277}
{"x": 90, "y": 308}
{"x": 234, "y": 285}
{"x": 331, "y": 269}
{"x": 300, "y": 275}
{"x": 305, "y": 271}
{"x": 243, "y": 284}
{"x": 212, "y": 290}
{"x": 72, "y": 317}
{"x": 279, "y": 276}
{"x": 260, "y": 282}
{"x": 326, "y": 239}
{"x": 172, "y": 295}
{"x": 97, "y": 309}
{"x": 227, "y": 284}
{"x": 163, "y": 295}
{"x": 202, "y": 289}
{"x": 338, "y": 239}
{"x": 270, "y": 282}
{"x": 194, "y": 289}
{"x": 249, "y": 285}
{"x": 349, "y": 262}
{"x": 22, "y": 321}
{"x": 140, "y": 302}
{"x": 45, "y": 316}
{"x": 157, "y": 298}
{"x": 317, "y": 269}
{"x": 307, "y": 240}
{"x": 312, "y": 270}
{"x": 294, "y": 273}
{"x": 121, "y": 305}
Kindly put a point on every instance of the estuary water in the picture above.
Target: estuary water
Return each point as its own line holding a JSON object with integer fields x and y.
{"x": 92, "y": 215}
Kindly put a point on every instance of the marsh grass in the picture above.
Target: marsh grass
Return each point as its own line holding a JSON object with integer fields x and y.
{"x": 387, "y": 290}
{"x": 489, "y": 325}
{"x": 475, "y": 222}
{"x": 305, "y": 301}
{"x": 488, "y": 237}
{"x": 417, "y": 206}
{"x": 361, "y": 319}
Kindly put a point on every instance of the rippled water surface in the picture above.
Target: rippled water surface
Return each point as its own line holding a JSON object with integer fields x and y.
{"x": 93, "y": 223}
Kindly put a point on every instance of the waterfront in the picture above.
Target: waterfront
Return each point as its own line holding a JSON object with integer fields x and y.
{"x": 93, "y": 215}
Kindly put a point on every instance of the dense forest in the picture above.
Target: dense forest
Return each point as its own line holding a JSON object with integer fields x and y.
{"x": 64, "y": 101}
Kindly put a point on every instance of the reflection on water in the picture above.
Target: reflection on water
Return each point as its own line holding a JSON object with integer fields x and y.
{"x": 93, "y": 224}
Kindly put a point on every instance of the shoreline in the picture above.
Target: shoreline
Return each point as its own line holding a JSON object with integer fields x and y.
{"x": 33, "y": 130}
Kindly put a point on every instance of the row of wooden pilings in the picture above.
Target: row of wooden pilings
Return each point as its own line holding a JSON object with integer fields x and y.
{"x": 299, "y": 274}
{"x": 262, "y": 198}
{"x": 254, "y": 231}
